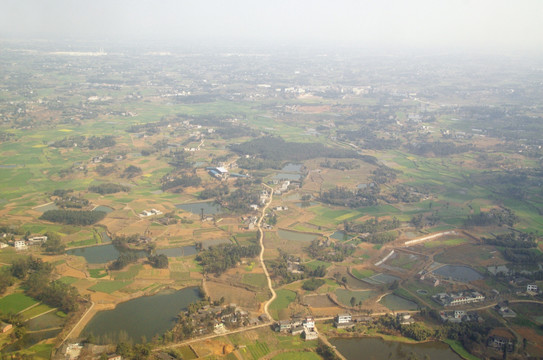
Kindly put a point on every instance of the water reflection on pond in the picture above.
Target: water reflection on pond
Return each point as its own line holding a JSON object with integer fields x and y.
{"x": 378, "y": 349}
{"x": 145, "y": 316}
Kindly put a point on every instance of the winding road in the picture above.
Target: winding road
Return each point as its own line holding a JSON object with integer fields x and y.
{"x": 261, "y": 240}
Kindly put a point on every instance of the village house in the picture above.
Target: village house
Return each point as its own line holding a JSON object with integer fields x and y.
{"x": 20, "y": 245}
{"x": 37, "y": 240}
{"x": 458, "y": 316}
{"x": 5, "y": 327}
{"x": 405, "y": 319}
{"x": 499, "y": 342}
{"x": 462, "y": 298}
{"x": 532, "y": 288}
{"x": 343, "y": 321}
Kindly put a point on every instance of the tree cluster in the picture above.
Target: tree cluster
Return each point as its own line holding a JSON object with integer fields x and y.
{"x": 218, "y": 259}
{"x": 371, "y": 226}
{"x": 73, "y": 217}
{"x": 501, "y": 216}
{"x": 158, "y": 261}
{"x": 353, "y": 199}
{"x": 183, "y": 181}
{"x": 108, "y": 188}
{"x": 312, "y": 284}
{"x": 275, "y": 148}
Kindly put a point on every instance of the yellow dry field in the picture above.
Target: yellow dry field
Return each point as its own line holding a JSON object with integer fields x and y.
{"x": 232, "y": 294}
{"x": 330, "y": 178}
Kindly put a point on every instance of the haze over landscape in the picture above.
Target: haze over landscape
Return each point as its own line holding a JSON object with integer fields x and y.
{"x": 480, "y": 25}
{"x": 278, "y": 180}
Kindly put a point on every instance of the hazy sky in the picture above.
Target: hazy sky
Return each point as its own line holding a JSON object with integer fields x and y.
{"x": 485, "y": 24}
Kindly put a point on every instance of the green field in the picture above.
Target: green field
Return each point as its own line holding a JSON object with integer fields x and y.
{"x": 256, "y": 280}
{"x": 362, "y": 274}
{"x": 344, "y": 296}
{"x": 109, "y": 287}
{"x": 15, "y": 303}
{"x": 35, "y": 311}
{"x": 258, "y": 350}
{"x": 97, "y": 273}
{"x": 460, "y": 350}
{"x": 69, "y": 280}
{"x": 297, "y": 355}
{"x": 129, "y": 274}
{"x": 282, "y": 301}
{"x": 449, "y": 242}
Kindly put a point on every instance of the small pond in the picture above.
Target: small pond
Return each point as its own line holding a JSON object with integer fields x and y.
{"x": 46, "y": 207}
{"x": 292, "y": 168}
{"x": 210, "y": 207}
{"x": 379, "y": 349}
{"x": 45, "y": 321}
{"x": 296, "y": 236}
{"x": 395, "y": 303}
{"x": 458, "y": 273}
{"x": 178, "y": 251}
{"x": 381, "y": 279}
{"x": 100, "y": 254}
{"x": 287, "y": 176}
{"x": 103, "y": 208}
{"x": 340, "y": 235}
{"x": 105, "y": 237}
{"x": 145, "y": 316}
{"x": 214, "y": 242}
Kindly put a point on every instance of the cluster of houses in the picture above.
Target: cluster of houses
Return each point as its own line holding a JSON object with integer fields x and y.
{"x": 152, "y": 212}
{"x": 221, "y": 317}
{"x": 299, "y": 326}
{"x": 24, "y": 244}
{"x": 284, "y": 187}
{"x": 461, "y": 298}
{"x": 458, "y": 316}
{"x": 218, "y": 172}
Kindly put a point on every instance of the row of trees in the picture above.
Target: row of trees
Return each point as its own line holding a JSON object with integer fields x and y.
{"x": 92, "y": 142}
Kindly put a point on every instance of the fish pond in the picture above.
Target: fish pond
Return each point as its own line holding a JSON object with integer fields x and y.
{"x": 178, "y": 251}
{"x": 142, "y": 317}
{"x": 395, "y": 303}
{"x": 210, "y": 207}
{"x": 458, "y": 273}
{"x": 100, "y": 254}
{"x": 296, "y": 236}
{"x": 379, "y": 349}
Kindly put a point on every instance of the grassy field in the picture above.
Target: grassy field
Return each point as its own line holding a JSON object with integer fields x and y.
{"x": 297, "y": 355}
{"x": 459, "y": 349}
{"x": 97, "y": 273}
{"x": 258, "y": 350}
{"x": 282, "y": 301}
{"x": 68, "y": 280}
{"x": 109, "y": 287}
{"x": 35, "y": 311}
{"x": 449, "y": 242}
{"x": 363, "y": 273}
{"x": 15, "y": 303}
{"x": 344, "y": 296}
{"x": 129, "y": 274}
{"x": 256, "y": 280}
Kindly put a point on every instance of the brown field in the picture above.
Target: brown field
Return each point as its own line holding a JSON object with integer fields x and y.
{"x": 471, "y": 254}
{"x": 272, "y": 241}
{"x": 232, "y": 294}
{"x": 318, "y": 301}
{"x": 535, "y": 340}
